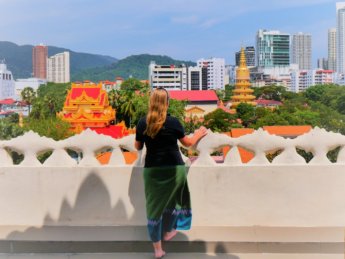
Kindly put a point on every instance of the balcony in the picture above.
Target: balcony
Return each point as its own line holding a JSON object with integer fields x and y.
{"x": 286, "y": 208}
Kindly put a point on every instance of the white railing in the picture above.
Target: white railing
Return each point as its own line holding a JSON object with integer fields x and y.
{"x": 63, "y": 192}
{"x": 318, "y": 141}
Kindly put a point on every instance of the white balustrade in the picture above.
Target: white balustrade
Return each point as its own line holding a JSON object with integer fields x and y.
{"x": 318, "y": 141}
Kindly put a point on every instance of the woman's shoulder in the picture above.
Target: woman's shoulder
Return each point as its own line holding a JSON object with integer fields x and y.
{"x": 142, "y": 121}
{"x": 173, "y": 120}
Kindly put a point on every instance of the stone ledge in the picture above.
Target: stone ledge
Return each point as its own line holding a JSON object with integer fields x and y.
{"x": 207, "y": 234}
{"x": 38, "y": 247}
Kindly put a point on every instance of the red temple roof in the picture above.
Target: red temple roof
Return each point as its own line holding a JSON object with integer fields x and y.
{"x": 91, "y": 92}
{"x": 197, "y": 95}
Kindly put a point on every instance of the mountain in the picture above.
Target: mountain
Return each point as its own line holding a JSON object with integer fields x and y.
{"x": 135, "y": 66}
{"x": 19, "y": 59}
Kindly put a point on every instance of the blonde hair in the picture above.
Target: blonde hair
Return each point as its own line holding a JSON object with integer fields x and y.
{"x": 156, "y": 116}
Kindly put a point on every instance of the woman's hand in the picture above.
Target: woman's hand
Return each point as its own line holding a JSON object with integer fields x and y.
{"x": 191, "y": 141}
{"x": 201, "y": 132}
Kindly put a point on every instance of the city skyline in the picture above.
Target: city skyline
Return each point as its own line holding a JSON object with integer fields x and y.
{"x": 183, "y": 30}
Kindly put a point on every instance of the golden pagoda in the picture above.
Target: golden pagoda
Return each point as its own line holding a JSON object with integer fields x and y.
{"x": 87, "y": 106}
{"x": 242, "y": 92}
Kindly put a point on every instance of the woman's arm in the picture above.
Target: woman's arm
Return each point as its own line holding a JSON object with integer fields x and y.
{"x": 138, "y": 145}
{"x": 190, "y": 141}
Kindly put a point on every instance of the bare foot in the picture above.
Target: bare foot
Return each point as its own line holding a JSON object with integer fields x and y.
{"x": 169, "y": 235}
{"x": 159, "y": 254}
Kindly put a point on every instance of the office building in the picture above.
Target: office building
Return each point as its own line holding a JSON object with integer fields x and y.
{"x": 39, "y": 61}
{"x": 250, "y": 56}
{"x": 170, "y": 77}
{"x": 59, "y": 68}
{"x": 7, "y": 86}
{"x": 272, "y": 48}
{"x": 340, "y": 39}
{"x": 195, "y": 79}
{"x": 332, "y": 49}
{"x": 322, "y": 63}
{"x": 301, "y": 50}
{"x": 215, "y": 69}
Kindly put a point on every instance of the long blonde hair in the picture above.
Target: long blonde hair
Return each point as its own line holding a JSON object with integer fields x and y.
{"x": 156, "y": 116}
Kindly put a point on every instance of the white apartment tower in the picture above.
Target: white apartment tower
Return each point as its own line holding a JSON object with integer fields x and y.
{"x": 332, "y": 49}
{"x": 7, "y": 84}
{"x": 215, "y": 72}
{"x": 58, "y": 68}
{"x": 340, "y": 40}
{"x": 301, "y": 50}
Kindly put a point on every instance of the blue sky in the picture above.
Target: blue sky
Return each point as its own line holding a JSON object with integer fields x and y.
{"x": 182, "y": 29}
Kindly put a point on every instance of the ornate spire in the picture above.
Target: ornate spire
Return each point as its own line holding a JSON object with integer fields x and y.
{"x": 242, "y": 92}
{"x": 243, "y": 62}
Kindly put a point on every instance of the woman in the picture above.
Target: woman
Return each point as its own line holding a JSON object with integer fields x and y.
{"x": 166, "y": 190}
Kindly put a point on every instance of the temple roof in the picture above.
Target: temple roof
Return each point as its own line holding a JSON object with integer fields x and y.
{"x": 195, "y": 95}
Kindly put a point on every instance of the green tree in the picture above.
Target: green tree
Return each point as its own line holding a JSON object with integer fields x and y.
{"x": 177, "y": 109}
{"x": 132, "y": 84}
{"x": 272, "y": 92}
{"x": 246, "y": 112}
{"x": 9, "y": 130}
{"x": 54, "y": 128}
{"x": 128, "y": 107}
{"x": 228, "y": 92}
{"x": 219, "y": 121}
{"x": 315, "y": 93}
{"x": 28, "y": 95}
{"x": 340, "y": 104}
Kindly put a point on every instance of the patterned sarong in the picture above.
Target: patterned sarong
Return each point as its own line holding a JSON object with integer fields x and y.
{"x": 167, "y": 200}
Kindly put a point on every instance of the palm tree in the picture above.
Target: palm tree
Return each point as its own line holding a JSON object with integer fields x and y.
{"x": 128, "y": 107}
{"x": 28, "y": 95}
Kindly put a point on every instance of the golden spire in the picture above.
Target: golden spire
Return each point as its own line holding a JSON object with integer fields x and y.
{"x": 243, "y": 62}
{"x": 242, "y": 92}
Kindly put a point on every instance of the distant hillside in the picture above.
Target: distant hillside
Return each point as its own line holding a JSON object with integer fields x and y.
{"x": 19, "y": 59}
{"x": 135, "y": 66}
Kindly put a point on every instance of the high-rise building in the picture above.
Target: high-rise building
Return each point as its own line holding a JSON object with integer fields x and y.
{"x": 215, "y": 72}
{"x": 170, "y": 77}
{"x": 272, "y": 48}
{"x": 301, "y": 50}
{"x": 7, "y": 85}
{"x": 195, "y": 79}
{"x": 59, "y": 68}
{"x": 322, "y": 63}
{"x": 39, "y": 61}
{"x": 250, "y": 56}
{"x": 340, "y": 39}
{"x": 332, "y": 49}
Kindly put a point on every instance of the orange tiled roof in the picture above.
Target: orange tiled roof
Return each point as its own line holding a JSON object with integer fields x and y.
{"x": 287, "y": 130}
{"x": 246, "y": 156}
{"x": 235, "y": 133}
{"x": 130, "y": 157}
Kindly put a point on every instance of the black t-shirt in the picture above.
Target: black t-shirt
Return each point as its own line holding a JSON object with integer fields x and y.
{"x": 163, "y": 149}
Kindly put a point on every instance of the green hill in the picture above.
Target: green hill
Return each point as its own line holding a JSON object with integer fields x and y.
{"x": 135, "y": 66}
{"x": 19, "y": 59}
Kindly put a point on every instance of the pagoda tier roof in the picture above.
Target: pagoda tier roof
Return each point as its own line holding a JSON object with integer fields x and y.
{"x": 243, "y": 97}
{"x": 234, "y": 104}
{"x": 247, "y": 90}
